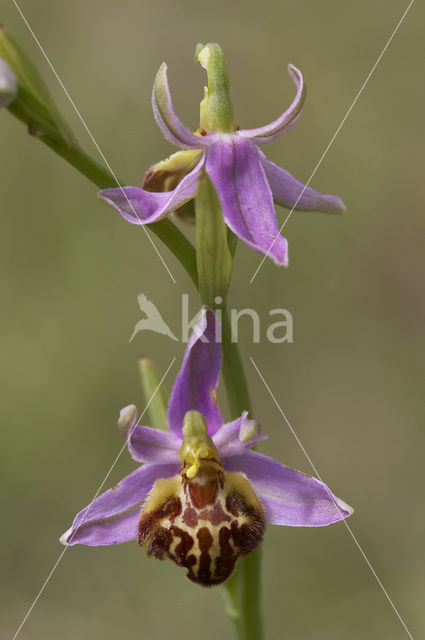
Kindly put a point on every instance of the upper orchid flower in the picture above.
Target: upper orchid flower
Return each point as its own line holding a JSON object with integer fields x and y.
{"x": 245, "y": 181}
{"x": 201, "y": 496}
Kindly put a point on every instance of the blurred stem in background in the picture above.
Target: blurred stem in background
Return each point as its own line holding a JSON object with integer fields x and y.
{"x": 154, "y": 392}
{"x": 209, "y": 266}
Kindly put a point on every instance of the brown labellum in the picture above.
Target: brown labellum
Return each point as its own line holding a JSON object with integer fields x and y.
{"x": 203, "y": 524}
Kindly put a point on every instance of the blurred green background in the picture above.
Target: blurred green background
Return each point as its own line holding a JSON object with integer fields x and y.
{"x": 351, "y": 384}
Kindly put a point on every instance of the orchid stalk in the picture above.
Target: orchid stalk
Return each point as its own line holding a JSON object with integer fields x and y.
{"x": 202, "y": 496}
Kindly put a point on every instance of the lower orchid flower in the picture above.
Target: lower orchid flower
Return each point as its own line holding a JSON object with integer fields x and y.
{"x": 202, "y": 496}
{"x": 246, "y": 182}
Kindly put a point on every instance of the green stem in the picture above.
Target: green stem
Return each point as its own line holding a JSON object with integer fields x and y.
{"x": 80, "y": 160}
{"x": 243, "y": 589}
{"x": 243, "y": 597}
{"x": 213, "y": 257}
{"x": 233, "y": 373}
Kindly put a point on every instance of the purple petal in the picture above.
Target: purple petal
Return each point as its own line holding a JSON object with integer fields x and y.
{"x": 145, "y": 444}
{"x": 113, "y": 516}
{"x": 234, "y": 166}
{"x": 266, "y": 134}
{"x": 167, "y": 119}
{"x": 236, "y": 437}
{"x": 289, "y": 496}
{"x": 143, "y": 207}
{"x": 197, "y": 380}
{"x": 293, "y": 194}
{"x": 153, "y": 446}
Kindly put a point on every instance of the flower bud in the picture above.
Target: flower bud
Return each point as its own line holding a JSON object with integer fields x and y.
{"x": 33, "y": 103}
{"x": 8, "y": 84}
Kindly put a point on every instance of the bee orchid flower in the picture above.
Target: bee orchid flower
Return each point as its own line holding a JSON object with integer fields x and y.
{"x": 245, "y": 181}
{"x": 202, "y": 496}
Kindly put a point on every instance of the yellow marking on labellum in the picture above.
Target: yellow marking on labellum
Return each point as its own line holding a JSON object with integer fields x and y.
{"x": 205, "y": 518}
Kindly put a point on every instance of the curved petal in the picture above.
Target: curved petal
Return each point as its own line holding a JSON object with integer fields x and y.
{"x": 143, "y": 207}
{"x": 113, "y": 516}
{"x": 289, "y": 496}
{"x": 234, "y": 167}
{"x": 236, "y": 437}
{"x": 146, "y": 444}
{"x": 197, "y": 379}
{"x": 153, "y": 446}
{"x": 167, "y": 119}
{"x": 293, "y": 194}
{"x": 263, "y": 135}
